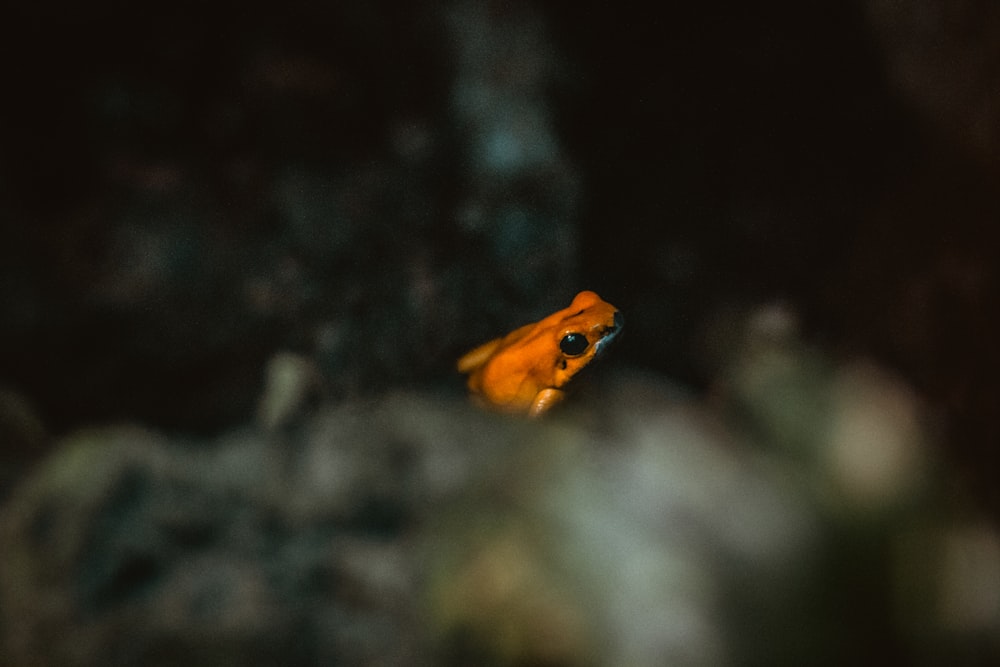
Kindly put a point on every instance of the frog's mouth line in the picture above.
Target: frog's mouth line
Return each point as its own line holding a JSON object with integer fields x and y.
{"x": 611, "y": 333}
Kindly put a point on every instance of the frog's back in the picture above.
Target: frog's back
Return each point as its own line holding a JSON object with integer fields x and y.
{"x": 474, "y": 360}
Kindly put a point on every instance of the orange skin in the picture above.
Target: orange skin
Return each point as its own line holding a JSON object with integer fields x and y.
{"x": 525, "y": 371}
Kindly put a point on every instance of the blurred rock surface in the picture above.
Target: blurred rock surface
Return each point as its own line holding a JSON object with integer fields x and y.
{"x": 634, "y": 527}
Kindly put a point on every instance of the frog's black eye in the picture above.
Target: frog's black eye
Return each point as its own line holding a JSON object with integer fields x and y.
{"x": 573, "y": 344}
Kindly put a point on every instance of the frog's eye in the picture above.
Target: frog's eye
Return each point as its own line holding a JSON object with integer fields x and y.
{"x": 573, "y": 344}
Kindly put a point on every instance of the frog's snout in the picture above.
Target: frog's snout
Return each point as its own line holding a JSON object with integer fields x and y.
{"x": 610, "y": 333}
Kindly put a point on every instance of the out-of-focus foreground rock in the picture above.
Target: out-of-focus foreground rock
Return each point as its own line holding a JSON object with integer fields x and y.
{"x": 634, "y": 527}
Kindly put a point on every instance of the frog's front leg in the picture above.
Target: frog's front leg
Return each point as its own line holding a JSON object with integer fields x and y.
{"x": 544, "y": 400}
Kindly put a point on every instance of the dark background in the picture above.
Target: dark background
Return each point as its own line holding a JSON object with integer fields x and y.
{"x": 188, "y": 189}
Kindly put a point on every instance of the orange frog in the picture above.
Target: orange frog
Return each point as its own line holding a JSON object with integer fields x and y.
{"x": 526, "y": 370}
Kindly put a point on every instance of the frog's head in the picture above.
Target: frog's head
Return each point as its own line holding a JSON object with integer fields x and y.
{"x": 585, "y": 330}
